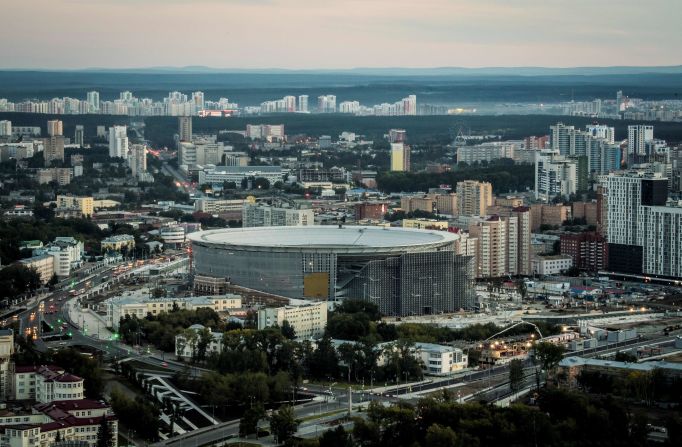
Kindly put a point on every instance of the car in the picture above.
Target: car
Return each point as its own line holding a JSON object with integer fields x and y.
{"x": 164, "y": 364}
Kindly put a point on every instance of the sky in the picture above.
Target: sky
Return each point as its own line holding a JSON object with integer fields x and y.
{"x": 327, "y": 34}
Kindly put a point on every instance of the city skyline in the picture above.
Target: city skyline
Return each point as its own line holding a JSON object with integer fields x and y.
{"x": 352, "y": 33}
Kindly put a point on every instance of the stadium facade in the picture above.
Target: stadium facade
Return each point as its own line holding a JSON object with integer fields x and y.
{"x": 403, "y": 271}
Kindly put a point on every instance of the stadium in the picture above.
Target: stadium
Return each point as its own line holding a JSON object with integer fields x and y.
{"x": 403, "y": 271}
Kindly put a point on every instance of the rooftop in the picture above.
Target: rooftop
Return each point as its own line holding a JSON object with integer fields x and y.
{"x": 324, "y": 236}
{"x": 645, "y": 366}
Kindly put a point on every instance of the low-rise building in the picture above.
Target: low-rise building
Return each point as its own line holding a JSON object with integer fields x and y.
{"x": 83, "y": 205}
{"x": 43, "y": 265}
{"x": 136, "y": 306}
{"x": 186, "y": 344}
{"x": 46, "y": 383}
{"x": 551, "y": 265}
{"x": 569, "y": 369}
{"x": 118, "y": 242}
{"x": 308, "y": 320}
{"x": 425, "y": 224}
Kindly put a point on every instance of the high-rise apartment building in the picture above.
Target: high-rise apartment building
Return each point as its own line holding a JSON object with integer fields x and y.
{"x": 185, "y": 128}
{"x": 137, "y": 159}
{"x": 53, "y": 149}
{"x": 588, "y": 250}
{"x": 198, "y": 101}
{"x": 79, "y": 135}
{"x": 55, "y": 128}
{"x": 326, "y": 104}
{"x": 638, "y": 137}
{"x": 474, "y": 197}
{"x": 491, "y": 234}
{"x": 636, "y": 218}
{"x": 303, "y": 103}
{"x": 93, "y": 101}
{"x": 289, "y": 103}
{"x": 400, "y": 157}
{"x": 604, "y": 132}
{"x": 118, "y": 141}
{"x": 5, "y": 128}
{"x": 397, "y": 136}
{"x": 555, "y": 175}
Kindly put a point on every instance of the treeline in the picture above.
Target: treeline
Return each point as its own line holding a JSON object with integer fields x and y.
{"x": 505, "y": 177}
{"x": 13, "y": 232}
{"x": 560, "y": 419}
{"x": 90, "y": 122}
{"x": 420, "y": 129}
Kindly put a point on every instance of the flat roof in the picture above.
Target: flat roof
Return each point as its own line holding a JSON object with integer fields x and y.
{"x": 324, "y": 236}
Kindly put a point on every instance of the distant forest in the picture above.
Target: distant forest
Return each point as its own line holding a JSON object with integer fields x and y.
{"x": 420, "y": 129}
{"x": 160, "y": 130}
{"x": 254, "y": 88}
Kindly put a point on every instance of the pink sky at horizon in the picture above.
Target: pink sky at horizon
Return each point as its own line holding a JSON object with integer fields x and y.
{"x": 308, "y": 34}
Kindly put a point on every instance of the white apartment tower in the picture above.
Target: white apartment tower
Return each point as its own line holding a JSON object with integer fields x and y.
{"x": 118, "y": 141}
{"x": 303, "y": 103}
{"x": 638, "y": 137}
{"x": 555, "y": 175}
{"x": 93, "y": 101}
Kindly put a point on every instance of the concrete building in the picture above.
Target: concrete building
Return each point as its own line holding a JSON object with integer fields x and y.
{"x": 220, "y": 174}
{"x": 61, "y": 176}
{"x": 447, "y": 204}
{"x": 589, "y": 251}
{"x": 308, "y": 320}
{"x": 53, "y": 149}
{"x": 397, "y": 136}
{"x": 43, "y": 265}
{"x": 6, "y": 352}
{"x": 185, "y": 128}
{"x": 486, "y": 152}
{"x": 5, "y": 128}
{"x": 474, "y": 197}
{"x": 400, "y": 157}
{"x": 638, "y": 137}
{"x": 83, "y": 205}
{"x": 425, "y": 224}
{"x": 259, "y": 215}
{"x": 552, "y": 215}
{"x": 219, "y": 206}
{"x": 137, "y": 159}
{"x": 141, "y": 305}
{"x": 45, "y": 384}
{"x": 551, "y": 265}
{"x": 555, "y": 175}
{"x": 173, "y": 235}
{"x": 569, "y": 369}
{"x": 67, "y": 253}
{"x": 55, "y": 128}
{"x": 370, "y": 210}
{"x": 118, "y": 141}
{"x": 79, "y": 135}
{"x": 491, "y": 254}
{"x": 118, "y": 243}
{"x": 440, "y": 360}
{"x": 413, "y": 203}
{"x": 303, "y": 103}
{"x": 267, "y": 132}
{"x": 628, "y": 194}
{"x": 601, "y": 131}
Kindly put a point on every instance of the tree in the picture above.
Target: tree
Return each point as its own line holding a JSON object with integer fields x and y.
{"x": 261, "y": 183}
{"x": 205, "y": 339}
{"x": 104, "y": 435}
{"x": 515, "y": 375}
{"x": 622, "y": 356}
{"x": 548, "y": 355}
{"x": 288, "y": 330}
{"x": 283, "y": 424}
{"x": 248, "y": 424}
{"x": 439, "y": 436}
{"x": 337, "y": 437}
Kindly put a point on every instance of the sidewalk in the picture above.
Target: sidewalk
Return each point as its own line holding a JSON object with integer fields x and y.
{"x": 91, "y": 324}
